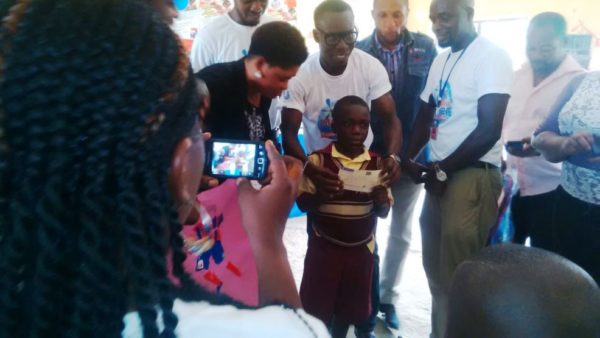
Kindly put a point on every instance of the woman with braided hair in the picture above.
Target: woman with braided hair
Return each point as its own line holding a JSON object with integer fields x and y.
{"x": 100, "y": 154}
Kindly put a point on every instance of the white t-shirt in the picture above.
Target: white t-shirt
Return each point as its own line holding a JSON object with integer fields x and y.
{"x": 484, "y": 68}
{"x": 314, "y": 93}
{"x": 222, "y": 40}
{"x": 201, "y": 319}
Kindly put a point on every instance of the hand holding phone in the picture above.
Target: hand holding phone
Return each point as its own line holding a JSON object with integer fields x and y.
{"x": 236, "y": 158}
{"x": 596, "y": 145}
{"x": 521, "y": 148}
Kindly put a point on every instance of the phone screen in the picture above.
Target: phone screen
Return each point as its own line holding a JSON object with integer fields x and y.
{"x": 515, "y": 145}
{"x": 237, "y": 159}
{"x": 596, "y": 146}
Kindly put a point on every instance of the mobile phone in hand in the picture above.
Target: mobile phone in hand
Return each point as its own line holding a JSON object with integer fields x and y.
{"x": 236, "y": 158}
{"x": 515, "y": 145}
{"x": 596, "y": 145}
{"x": 517, "y": 148}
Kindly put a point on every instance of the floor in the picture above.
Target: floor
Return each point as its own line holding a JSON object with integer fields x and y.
{"x": 415, "y": 302}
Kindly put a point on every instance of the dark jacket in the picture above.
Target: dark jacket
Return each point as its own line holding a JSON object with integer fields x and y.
{"x": 228, "y": 89}
{"x": 418, "y": 54}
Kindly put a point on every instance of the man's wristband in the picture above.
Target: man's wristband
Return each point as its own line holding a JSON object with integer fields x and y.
{"x": 395, "y": 158}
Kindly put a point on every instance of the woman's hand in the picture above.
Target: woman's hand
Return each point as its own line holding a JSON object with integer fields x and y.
{"x": 265, "y": 211}
{"x": 207, "y": 182}
{"x": 264, "y": 214}
{"x": 579, "y": 142}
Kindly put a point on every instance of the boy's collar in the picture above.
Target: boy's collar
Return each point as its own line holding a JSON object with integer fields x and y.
{"x": 365, "y": 156}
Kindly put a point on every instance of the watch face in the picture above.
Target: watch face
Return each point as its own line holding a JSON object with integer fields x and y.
{"x": 440, "y": 175}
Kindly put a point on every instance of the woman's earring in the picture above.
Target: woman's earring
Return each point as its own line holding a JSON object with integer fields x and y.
{"x": 258, "y": 74}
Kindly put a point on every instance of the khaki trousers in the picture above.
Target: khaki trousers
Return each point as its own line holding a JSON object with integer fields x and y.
{"x": 454, "y": 227}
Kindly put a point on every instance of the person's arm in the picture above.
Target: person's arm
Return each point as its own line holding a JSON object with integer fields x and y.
{"x": 418, "y": 139}
{"x": 385, "y": 108}
{"x": 291, "y": 119}
{"x": 549, "y": 142}
{"x": 264, "y": 214}
{"x": 381, "y": 201}
{"x": 490, "y": 114}
{"x": 557, "y": 148}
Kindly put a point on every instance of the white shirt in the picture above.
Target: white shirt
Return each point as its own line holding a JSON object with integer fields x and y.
{"x": 314, "y": 92}
{"x": 527, "y": 109}
{"x": 483, "y": 69}
{"x": 222, "y": 40}
{"x": 201, "y": 319}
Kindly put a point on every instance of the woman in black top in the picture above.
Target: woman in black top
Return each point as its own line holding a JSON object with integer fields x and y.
{"x": 241, "y": 91}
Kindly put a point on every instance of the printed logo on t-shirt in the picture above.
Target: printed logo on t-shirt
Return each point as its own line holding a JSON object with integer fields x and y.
{"x": 325, "y": 120}
{"x": 443, "y": 110}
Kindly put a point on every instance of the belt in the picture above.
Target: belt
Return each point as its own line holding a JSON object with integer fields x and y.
{"x": 483, "y": 165}
{"x": 320, "y": 233}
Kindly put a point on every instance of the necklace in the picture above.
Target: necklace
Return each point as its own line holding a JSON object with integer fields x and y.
{"x": 442, "y": 89}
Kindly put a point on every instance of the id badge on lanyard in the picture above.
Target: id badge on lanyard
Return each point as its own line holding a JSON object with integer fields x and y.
{"x": 437, "y": 119}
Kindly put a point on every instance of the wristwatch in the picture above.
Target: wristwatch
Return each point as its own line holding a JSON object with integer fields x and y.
{"x": 395, "y": 157}
{"x": 439, "y": 173}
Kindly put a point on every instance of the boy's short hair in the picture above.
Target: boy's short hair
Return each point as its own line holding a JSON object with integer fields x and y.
{"x": 350, "y": 100}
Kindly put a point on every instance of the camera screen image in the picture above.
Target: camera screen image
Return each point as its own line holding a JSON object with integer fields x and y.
{"x": 233, "y": 159}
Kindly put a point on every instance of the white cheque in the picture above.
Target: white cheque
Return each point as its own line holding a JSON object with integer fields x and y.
{"x": 360, "y": 180}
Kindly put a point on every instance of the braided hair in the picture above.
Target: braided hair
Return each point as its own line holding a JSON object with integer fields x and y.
{"x": 94, "y": 96}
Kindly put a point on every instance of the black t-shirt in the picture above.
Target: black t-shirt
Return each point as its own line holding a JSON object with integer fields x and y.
{"x": 231, "y": 115}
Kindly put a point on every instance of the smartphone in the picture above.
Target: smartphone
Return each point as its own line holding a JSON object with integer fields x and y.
{"x": 236, "y": 158}
{"x": 596, "y": 145}
{"x": 516, "y": 146}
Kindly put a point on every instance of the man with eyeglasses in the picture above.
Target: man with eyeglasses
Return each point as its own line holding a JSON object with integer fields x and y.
{"x": 407, "y": 57}
{"x": 338, "y": 70}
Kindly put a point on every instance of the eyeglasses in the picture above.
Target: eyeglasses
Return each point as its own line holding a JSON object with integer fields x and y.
{"x": 332, "y": 39}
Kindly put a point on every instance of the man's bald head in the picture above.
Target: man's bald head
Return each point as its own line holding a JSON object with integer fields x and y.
{"x": 452, "y": 22}
{"x": 517, "y": 291}
{"x": 401, "y": 2}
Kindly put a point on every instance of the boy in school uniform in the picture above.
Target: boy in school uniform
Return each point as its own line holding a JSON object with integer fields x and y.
{"x": 336, "y": 284}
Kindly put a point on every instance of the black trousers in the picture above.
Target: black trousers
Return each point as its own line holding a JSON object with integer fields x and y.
{"x": 577, "y": 225}
{"x": 532, "y": 217}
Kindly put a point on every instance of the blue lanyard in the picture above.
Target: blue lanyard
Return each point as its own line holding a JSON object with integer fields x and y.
{"x": 443, "y": 88}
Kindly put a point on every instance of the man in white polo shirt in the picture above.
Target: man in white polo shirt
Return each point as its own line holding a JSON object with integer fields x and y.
{"x": 227, "y": 37}
{"x": 461, "y": 115}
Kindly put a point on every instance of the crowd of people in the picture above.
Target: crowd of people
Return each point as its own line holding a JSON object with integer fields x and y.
{"x": 102, "y": 132}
